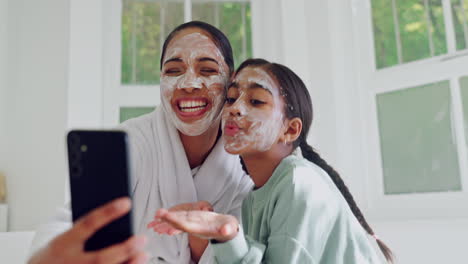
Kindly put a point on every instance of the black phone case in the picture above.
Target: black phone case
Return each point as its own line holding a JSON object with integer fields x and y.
{"x": 99, "y": 167}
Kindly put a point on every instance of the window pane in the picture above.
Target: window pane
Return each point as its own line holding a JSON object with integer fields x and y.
{"x": 233, "y": 18}
{"x": 145, "y": 25}
{"x": 460, "y": 22}
{"x": 384, "y": 34}
{"x": 418, "y": 144}
{"x": 407, "y": 30}
{"x": 131, "y": 112}
{"x": 464, "y": 95}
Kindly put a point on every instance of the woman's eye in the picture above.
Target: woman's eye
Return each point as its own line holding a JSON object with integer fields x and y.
{"x": 256, "y": 102}
{"x": 208, "y": 71}
{"x": 172, "y": 71}
{"x": 230, "y": 100}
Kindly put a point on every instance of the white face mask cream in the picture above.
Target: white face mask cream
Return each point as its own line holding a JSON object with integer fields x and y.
{"x": 190, "y": 50}
{"x": 258, "y": 128}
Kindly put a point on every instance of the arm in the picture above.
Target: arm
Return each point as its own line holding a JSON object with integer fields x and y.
{"x": 231, "y": 245}
{"x": 297, "y": 232}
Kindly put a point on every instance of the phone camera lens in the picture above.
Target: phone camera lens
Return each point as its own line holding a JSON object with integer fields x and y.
{"x": 76, "y": 171}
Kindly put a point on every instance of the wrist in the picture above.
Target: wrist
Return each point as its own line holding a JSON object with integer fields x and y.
{"x": 230, "y": 231}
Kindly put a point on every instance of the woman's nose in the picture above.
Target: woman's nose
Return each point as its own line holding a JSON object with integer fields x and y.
{"x": 191, "y": 82}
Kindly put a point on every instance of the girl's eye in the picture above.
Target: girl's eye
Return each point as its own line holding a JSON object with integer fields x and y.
{"x": 256, "y": 102}
{"x": 230, "y": 100}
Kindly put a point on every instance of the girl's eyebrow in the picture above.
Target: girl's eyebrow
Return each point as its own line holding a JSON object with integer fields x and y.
{"x": 255, "y": 85}
{"x": 252, "y": 85}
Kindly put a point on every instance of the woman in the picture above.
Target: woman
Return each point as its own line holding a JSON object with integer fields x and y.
{"x": 177, "y": 157}
{"x": 300, "y": 210}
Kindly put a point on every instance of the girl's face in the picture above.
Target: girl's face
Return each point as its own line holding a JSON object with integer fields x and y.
{"x": 253, "y": 113}
{"x": 193, "y": 78}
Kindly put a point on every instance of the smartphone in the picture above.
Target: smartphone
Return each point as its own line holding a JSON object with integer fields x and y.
{"x": 99, "y": 166}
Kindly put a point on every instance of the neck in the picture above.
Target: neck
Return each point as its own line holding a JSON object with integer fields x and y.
{"x": 197, "y": 148}
{"x": 261, "y": 165}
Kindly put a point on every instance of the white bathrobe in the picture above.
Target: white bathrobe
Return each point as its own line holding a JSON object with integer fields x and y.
{"x": 163, "y": 178}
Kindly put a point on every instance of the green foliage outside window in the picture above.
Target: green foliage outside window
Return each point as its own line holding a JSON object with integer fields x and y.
{"x": 407, "y": 30}
{"x": 145, "y": 25}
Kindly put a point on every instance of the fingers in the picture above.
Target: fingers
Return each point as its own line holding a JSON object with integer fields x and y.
{"x": 121, "y": 252}
{"x": 163, "y": 228}
{"x": 161, "y": 213}
{"x": 203, "y": 206}
{"x": 86, "y": 226}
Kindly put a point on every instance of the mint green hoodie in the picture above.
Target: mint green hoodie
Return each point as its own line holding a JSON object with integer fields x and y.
{"x": 298, "y": 216}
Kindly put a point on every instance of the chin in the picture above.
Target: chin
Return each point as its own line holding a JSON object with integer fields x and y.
{"x": 233, "y": 150}
{"x": 236, "y": 149}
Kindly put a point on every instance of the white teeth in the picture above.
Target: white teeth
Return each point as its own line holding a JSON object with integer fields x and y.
{"x": 191, "y": 104}
{"x": 192, "y": 109}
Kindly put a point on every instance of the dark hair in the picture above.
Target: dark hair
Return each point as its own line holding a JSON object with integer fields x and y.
{"x": 218, "y": 37}
{"x": 299, "y": 104}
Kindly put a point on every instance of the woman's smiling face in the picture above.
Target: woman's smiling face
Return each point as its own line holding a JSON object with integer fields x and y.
{"x": 253, "y": 113}
{"x": 193, "y": 79}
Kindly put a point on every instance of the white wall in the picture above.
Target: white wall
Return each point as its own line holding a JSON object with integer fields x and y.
{"x": 3, "y": 79}
{"x": 426, "y": 241}
{"x": 36, "y": 102}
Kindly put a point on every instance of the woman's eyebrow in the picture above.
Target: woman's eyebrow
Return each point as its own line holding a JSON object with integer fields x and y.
{"x": 177, "y": 59}
{"x": 207, "y": 59}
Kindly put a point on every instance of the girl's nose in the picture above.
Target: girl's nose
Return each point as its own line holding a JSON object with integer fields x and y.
{"x": 235, "y": 109}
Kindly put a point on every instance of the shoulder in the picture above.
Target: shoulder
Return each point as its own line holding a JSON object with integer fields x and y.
{"x": 141, "y": 130}
{"x": 307, "y": 182}
{"x": 140, "y": 123}
{"x": 306, "y": 192}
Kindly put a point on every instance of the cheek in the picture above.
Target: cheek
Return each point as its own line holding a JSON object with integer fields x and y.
{"x": 168, "y": 86}
{"x": 263, "y": 124}
{"x": 225, "y": 113}
{"x": 216, "y": 90}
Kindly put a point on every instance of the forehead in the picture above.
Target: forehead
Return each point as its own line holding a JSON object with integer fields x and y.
{"x": 258, "y": 75}
{"x": 192, "y": 41}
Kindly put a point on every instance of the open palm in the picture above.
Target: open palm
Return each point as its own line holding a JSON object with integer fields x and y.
{"x": 205, "y": 224}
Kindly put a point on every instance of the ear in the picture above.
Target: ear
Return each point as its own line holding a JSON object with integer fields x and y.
{"x": 293, "y": 129}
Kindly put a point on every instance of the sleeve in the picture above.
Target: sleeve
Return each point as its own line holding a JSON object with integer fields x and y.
{"x": 241, "y": 249}
{"x": 61, "y": 222}
{"x": 285, "y": 244}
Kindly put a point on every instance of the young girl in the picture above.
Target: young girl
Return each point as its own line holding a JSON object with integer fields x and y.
{"x": 300, "y": 210}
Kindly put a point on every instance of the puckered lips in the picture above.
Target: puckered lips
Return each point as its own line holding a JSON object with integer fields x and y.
{"x": 192, "y": 106}
{"x": 231, "y": 128}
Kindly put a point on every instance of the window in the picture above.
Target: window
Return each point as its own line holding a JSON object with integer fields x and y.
{"x": 413, "y": 68}
{"x": 144, "y": 26}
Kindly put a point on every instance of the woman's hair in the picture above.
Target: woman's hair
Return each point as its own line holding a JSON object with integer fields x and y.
{"x": 218, "y": 38}
{"x": 299, "y": 104}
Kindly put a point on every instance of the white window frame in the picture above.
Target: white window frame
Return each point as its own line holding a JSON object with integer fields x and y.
{"x": 450, "y": 66}
{"x": 115, "y": 94}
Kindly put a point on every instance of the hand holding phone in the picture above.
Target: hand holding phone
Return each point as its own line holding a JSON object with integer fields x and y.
{"x": 69, "y": 246}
